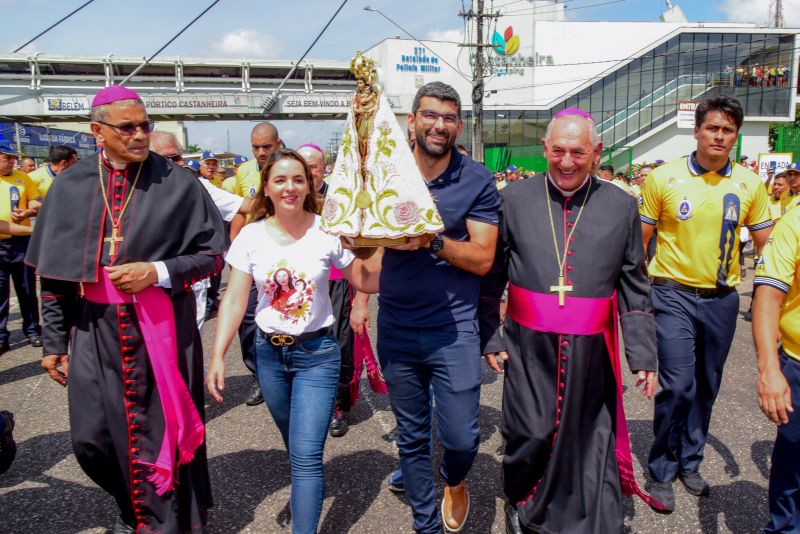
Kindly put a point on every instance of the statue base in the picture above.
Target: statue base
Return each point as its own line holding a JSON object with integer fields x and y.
{"x": 379, "y": 241}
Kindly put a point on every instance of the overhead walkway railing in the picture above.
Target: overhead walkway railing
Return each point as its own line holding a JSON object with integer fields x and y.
{"x": 617, "y": 130}
{"x": 42, "y": 87}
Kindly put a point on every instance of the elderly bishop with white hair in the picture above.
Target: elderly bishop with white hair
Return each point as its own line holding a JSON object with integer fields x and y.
{"x": 571, "y": 251}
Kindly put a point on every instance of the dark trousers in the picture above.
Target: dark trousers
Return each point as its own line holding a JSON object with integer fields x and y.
{"x": 339, "y": 291}
{"x": 12, "y": 253}
{"x": 694, "y": 336}
{"x": 212, "y": 295}
{"x": 449, "y": 362}
{"x": 247, "y": 331}
{"x": 784, "y": 477}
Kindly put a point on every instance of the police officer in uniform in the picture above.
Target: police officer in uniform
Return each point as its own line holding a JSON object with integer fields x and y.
{"x": 698, "y": 204}
{"x": 17, "y": 190}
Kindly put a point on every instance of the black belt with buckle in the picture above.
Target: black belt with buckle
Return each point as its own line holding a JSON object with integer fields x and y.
{"x": 285, "y": 340}
{"x": 699, "y": 291}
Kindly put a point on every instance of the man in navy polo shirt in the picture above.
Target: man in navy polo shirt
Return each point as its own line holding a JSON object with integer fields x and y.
{"x": 427, "y": 319}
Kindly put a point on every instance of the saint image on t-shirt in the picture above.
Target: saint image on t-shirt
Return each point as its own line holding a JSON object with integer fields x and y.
{"x": 290, "y": 294}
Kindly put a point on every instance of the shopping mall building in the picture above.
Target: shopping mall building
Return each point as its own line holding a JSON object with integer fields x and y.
{"x": 631, "y": 76}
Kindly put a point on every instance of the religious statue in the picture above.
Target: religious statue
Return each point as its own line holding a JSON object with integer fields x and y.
{"x": 376, "y": 194}
{"x": 365, "y": 104}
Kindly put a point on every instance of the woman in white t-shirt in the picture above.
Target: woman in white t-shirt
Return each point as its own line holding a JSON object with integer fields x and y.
{"x": 297, "y": 359}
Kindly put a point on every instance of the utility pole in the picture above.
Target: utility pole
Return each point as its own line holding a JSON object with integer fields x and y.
{"x": 776, "y": 13}
{"x": 477, "y": 77}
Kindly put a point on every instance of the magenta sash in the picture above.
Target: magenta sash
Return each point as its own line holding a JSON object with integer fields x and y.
{"x": 362, "y": 355}
{"x": 583, "y": 317}
{"x": 183, "y": 428}
{"x": 336, "y": 274}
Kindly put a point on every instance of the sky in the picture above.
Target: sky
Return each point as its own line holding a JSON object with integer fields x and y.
{"x": 272, "y": 29}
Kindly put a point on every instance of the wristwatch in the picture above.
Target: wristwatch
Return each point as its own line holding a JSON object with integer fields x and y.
{"x": 437, "y": 243}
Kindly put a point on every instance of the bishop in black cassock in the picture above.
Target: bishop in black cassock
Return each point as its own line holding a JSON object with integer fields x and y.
{"x": 117, "y": 419}
{"x": 561, "y": 397}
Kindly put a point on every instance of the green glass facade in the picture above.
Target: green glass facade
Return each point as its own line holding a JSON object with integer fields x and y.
{"x": 639, "y": 96}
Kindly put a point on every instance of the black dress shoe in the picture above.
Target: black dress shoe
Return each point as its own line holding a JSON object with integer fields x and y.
{"x": 254, "y": 398}
{"x": 663, "y": 493}
{"x": 339, "y": 426}
{"x": 4, "y": 347}
{"x": 512, "y": 520}
{"x": 35, "y": 341}
{"x": 121, "y": 527}
{"x": 8, "y": 449}
{"x": 695, "y": 484}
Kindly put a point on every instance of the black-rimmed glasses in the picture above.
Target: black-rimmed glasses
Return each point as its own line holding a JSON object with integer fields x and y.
{"x": 431, "y": 117}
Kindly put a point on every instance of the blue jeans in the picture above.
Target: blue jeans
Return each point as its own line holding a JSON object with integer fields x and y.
{"x": 449, "y": 362}
{"x": 784, "y": 477}
{"x": 299, "y": 385}
{"x": 694, "y": 336}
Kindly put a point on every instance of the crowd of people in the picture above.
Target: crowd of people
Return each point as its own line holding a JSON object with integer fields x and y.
{"x": 538, "y": 274}
{"x": 762, "y": 75}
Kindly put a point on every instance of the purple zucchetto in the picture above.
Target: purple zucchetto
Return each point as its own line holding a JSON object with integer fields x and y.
{"x": 312, "y": 145}
{"x": 573, "y": 111}
{"x": 114, "y": 93}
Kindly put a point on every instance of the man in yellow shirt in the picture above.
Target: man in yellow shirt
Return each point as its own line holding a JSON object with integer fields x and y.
{"x": 27, "y": 165}
{"x": 790, "y": 197}
{"x": 229, "y": 183}
{"x": 777, "y": 308}
{"x": 209, "y": 164}
{"x": 60, "y": 157}
{"x": 264, "y": 140}
{"x": 16, "y": 191}
{"x": 779, "y": 185}
{"x": 698, "y": 204}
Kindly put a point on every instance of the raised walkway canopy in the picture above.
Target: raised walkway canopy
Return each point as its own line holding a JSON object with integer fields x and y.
{"x": 40, "y": 87}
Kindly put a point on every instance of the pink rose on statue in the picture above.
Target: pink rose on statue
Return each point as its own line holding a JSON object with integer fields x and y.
{"x": 329, "y": 209}
{"x": 406, "y": 213}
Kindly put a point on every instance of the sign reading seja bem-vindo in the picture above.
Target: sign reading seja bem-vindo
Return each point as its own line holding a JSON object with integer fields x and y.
{"x": 505, "y": 61}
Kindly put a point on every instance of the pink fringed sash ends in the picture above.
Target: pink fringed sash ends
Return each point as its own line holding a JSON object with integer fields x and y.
{"x": 582, "y": 317}
{"x": 362, "y": 355}
{"x": 184, "y": 430}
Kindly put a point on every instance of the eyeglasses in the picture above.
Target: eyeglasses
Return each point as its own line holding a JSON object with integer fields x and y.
{"x": 127, "y": 129}
{"x": 174, "y": 157}
{"x": 429, "y": 118}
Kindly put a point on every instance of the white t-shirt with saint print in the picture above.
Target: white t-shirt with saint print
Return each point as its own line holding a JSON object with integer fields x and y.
{"x": 292, "y": 280}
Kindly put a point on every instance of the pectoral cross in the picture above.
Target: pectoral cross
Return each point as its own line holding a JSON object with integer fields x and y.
{"x": 561, "y": 289}
{"x": 113, "y": 240}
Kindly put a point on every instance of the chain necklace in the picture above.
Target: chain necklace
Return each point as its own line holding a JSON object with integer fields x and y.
{"x": 562, "y": 287}
{"x": 115, "y": 237}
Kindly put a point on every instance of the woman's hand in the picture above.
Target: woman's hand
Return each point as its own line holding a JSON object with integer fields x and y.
{"x": 215, "y": 379}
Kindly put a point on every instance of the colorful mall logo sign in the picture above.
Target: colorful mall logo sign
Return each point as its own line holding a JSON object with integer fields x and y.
{"x": 505, "y": 61}
{"x": 506, "y": 44}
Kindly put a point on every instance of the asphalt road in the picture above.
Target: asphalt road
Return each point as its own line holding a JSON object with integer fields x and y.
{"x": 46, "y": 492}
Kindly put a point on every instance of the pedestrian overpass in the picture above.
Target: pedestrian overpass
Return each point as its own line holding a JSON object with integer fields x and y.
{"x": 49, "y": 88}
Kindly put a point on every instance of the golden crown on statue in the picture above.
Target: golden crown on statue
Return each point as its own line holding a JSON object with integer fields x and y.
{"x": 363, "y": 68}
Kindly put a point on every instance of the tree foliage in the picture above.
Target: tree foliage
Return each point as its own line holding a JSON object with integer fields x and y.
{"x": 775, "y": 126}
